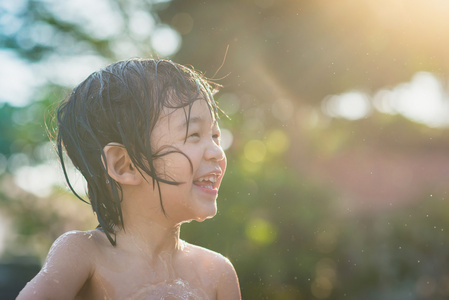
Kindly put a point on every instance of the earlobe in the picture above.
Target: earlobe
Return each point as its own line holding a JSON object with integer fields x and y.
{"x": 119, "y": 165}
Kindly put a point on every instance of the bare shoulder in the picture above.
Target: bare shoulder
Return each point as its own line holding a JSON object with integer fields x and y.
{"x": 227, "y": 281}
{"x": 77, "y": 240}
{"x": 77, "y": 246}
{"x": 206, "y": 254}
{"x": 67, "y": 267}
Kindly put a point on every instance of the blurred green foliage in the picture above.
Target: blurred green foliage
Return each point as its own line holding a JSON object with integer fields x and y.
{"x": 290, "y": 231}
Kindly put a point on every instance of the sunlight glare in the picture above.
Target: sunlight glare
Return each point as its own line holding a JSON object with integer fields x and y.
{"x": 352, "y": 105}
{"x": 422, "y": 100}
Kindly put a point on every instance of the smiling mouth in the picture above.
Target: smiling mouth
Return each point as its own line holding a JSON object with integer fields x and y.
{"x": 206, "y": 186}
{"x": 207, "y": 182}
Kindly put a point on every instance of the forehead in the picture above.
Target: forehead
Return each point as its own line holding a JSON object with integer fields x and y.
{"x": 199, "y": 113}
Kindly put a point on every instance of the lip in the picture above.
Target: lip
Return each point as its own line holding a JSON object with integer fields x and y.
{"x": 215, "y": 186}
{"x": 215, "y": 172}
{"x": 210, "y": 191}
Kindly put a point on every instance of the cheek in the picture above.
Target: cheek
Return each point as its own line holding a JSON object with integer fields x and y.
{"x": 223, "y": 163}
{"x": 174, "y": 166}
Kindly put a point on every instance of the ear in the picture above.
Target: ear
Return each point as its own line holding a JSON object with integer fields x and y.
{"x": 119, "y": 165}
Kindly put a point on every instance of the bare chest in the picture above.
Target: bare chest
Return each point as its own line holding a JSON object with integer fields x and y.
{"x": 141, "y": 280}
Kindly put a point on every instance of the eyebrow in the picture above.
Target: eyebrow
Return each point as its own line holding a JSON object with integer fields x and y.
{"x": 193, "y": 120}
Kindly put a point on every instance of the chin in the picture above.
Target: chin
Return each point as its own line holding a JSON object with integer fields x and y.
{"x": 207, "y": 214}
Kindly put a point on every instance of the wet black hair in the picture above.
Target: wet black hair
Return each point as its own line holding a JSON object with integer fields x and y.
{"x": 122, "y": 103}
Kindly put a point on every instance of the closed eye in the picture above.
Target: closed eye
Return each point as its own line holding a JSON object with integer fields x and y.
{"x": 217, "y": 138}
{"x": 194, "y": 135}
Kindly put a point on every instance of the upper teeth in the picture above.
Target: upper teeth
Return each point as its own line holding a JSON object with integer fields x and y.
{"x": 208, "y": 178}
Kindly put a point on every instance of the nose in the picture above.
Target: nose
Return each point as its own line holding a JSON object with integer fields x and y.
{"x": 214, "y": 152}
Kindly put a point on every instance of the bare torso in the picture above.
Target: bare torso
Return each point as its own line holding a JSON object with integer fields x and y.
{"x": 118, "y": 273}
{"x": 84, "y": 265}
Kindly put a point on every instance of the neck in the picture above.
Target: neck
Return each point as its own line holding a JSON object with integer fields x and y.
{"x": 147, "y": 229}
{"x": 149, "y": 237}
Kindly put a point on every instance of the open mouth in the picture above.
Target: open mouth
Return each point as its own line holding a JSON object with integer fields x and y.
{"x": 207, "y": 182}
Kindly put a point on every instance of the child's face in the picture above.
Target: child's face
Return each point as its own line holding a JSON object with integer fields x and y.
{"x": 195, "y": 198}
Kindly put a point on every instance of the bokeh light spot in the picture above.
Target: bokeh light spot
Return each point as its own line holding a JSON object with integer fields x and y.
{"x": 277, "y": 142}
{"x": 351, "y": 105}
{"x": 226, "y": 139}
{"x": 141, "y": 24}
{"x": 99, "y": 18}
{"x": 321, "y": 288}
{"x": 421, "y": 100}
{"x": 17, "y": 82}
{"x": 250, "y": 168}
{"x": 229, "y": 103}
{"x": 326, "y": 267}
{"x": 165, "y": 40}
{"x": 255, "y": 151}
{"x": 261, "y": 231}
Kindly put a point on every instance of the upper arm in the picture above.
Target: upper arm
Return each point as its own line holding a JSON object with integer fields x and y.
{"x": 228, "y": 285}
{"x": 65, "y": 270}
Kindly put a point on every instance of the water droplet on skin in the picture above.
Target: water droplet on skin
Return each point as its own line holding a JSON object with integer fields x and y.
{"x": 170, "y": 289}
